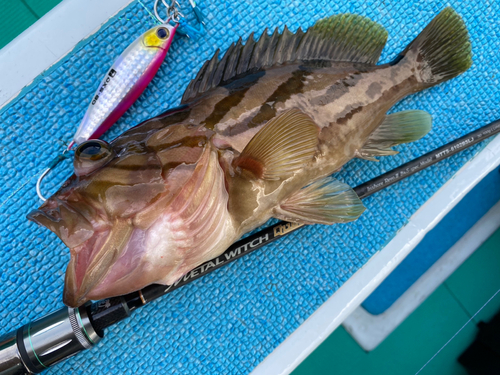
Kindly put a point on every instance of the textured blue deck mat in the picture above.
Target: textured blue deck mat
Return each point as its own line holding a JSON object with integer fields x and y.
{"x": 435, "y": 243}
{"x": 228, "y": 322}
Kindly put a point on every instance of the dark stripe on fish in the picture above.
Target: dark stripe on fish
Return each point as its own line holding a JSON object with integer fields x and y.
{"x": 348, "y": 116}
{"x": 233, "y": 98}
{"x": 293, "y": 85}
{"x": 169, "y": 166}
{"x": 337, "y": 90}
{"x": 223, "y": 107}
{"x": 386, "y": 97}
{"x": 171, "y": 118}
{"x": 188, "y": 141}
{"x": 134, "y": 168}
{"x": 160, "y": 122}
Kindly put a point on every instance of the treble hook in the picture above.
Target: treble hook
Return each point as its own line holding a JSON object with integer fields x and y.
{"x": 59, "y": 158}
{"x": 185, "y": 28}
{"x": 173, "y": 10}
{"x": 173, "y": 13}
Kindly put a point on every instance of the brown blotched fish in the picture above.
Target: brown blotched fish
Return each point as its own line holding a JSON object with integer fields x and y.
{"x": 257, "y": 136}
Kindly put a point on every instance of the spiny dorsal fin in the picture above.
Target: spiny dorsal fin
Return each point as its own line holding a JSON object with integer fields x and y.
{"x": 397, "y": 128}
{"x": 344, "y": 37}
{"x": 326, "y": 201}
{"x": 281, "y": 147}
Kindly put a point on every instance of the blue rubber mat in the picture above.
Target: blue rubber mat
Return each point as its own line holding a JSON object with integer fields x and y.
{"x": 229, "y": 321}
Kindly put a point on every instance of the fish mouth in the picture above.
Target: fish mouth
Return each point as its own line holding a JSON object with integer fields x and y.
{"x": 93, "y": 250}
{"x": 68, "y": 224}
{"x": 92, "y": 261}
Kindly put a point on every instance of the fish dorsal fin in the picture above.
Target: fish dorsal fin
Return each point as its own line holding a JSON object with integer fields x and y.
{"x": 281, "y": 147}
{"x": 326, "y": 201}
{"x": 395, "y": 129}
{"x": 344, "y": 37}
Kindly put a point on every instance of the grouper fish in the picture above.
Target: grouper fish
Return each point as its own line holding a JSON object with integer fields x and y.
{"x": 257, "y": 136}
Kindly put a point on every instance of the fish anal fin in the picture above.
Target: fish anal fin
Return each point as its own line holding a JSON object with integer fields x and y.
{"x": 281, "y": 147}
{"x": 395, "y": 129}
{"x": 326, "y": 201}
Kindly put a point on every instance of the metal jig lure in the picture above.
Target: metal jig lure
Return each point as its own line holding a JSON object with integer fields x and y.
{"x": 127, "y": 79}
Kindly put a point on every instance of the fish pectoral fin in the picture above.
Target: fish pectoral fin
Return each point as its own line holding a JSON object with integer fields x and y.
{"x": 326, "y": 201}
{"x": 396, "y": 129}
{"x": 284, "y": 145}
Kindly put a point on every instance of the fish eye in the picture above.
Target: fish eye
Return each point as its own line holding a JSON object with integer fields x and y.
{"x": 94, "y": 150}
{"x": 162, "y": 33}
{"x": 91, "y": 155}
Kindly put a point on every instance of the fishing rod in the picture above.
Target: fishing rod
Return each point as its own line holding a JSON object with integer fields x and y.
{"x": 38, "y": 345}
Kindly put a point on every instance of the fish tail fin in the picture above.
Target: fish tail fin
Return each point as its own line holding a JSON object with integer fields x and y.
{"x": 441, "y": 51}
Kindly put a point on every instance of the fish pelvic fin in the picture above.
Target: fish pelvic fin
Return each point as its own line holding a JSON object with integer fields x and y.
{"x": 442, "y": 50}
{"x": 395, "y": 129}
{"x": 326, "y": 201}
{"x": 343, "y": 37}
{"x": 284, "y": 145}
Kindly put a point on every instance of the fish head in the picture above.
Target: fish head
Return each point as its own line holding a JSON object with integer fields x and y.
{"x": 115, "y": 210}
{"x": 159, "y": 36}
{"x": 95, "y": 214}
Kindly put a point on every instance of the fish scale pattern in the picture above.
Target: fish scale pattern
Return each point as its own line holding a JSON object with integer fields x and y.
{"x": 229, "y": 321}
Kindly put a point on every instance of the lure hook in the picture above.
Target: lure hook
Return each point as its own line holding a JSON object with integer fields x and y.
{"x": 173, "y": 13}
{"x": 173, "y": 10}
{"x": 51, "y": 166}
